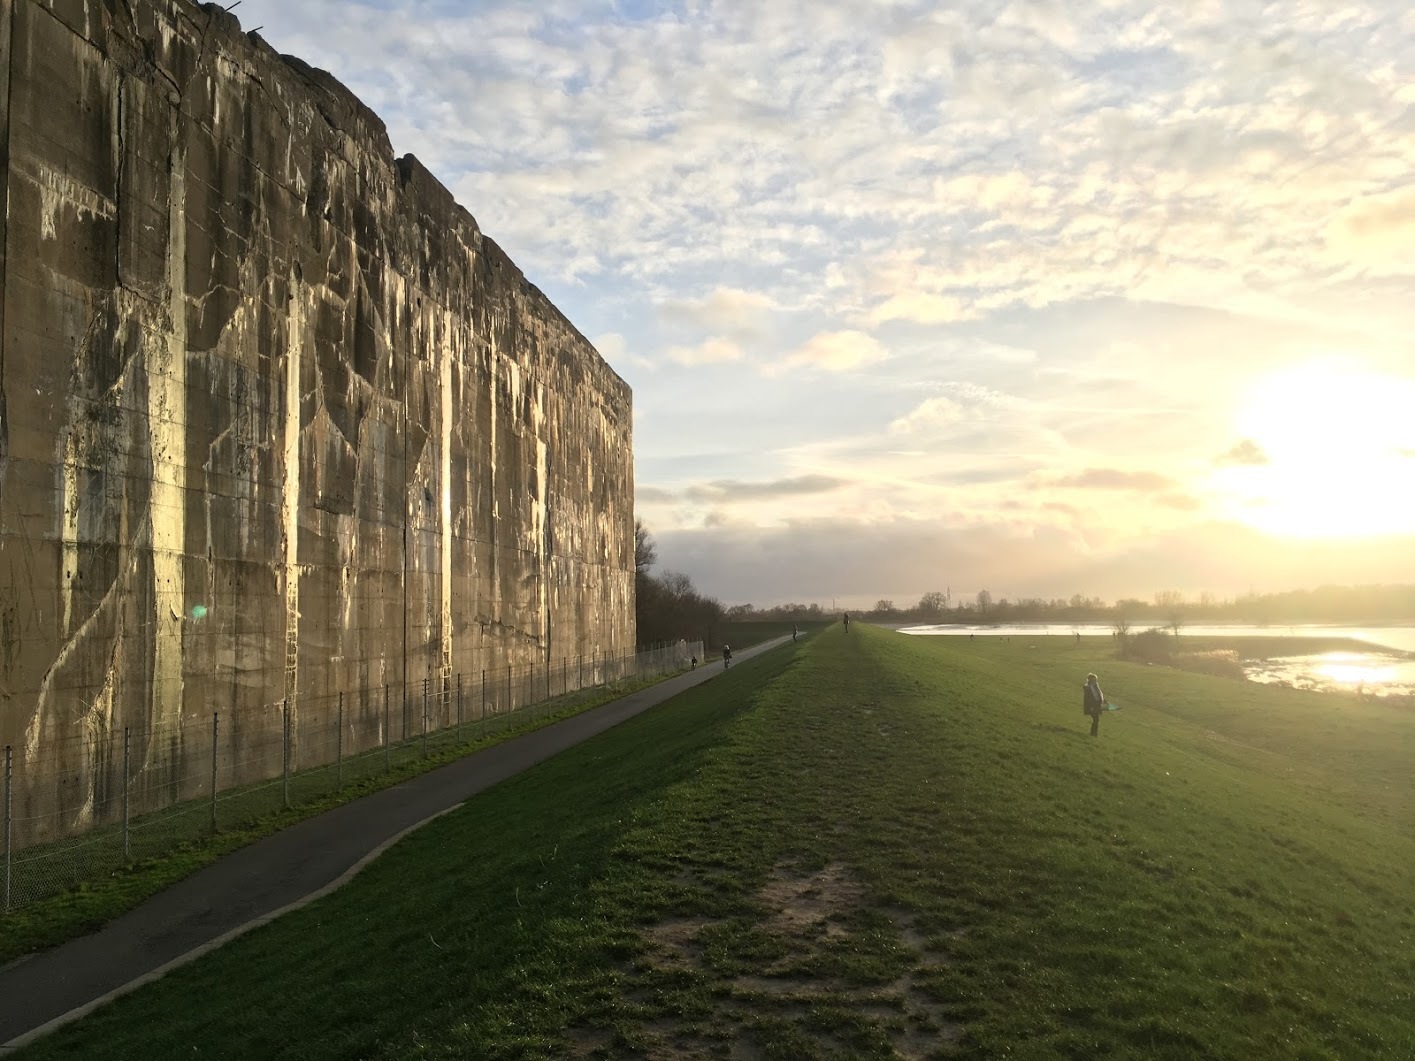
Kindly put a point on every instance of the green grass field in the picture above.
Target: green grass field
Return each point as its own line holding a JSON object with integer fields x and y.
{"x": 869, "y": 845}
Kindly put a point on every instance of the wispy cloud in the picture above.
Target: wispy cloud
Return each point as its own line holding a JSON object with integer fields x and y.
{"x": 1245, "y": 453}
{"x": 1378, "y": 231}
{"x": 838, "y": 351}
{"x": 711, "y": 352}
{"x": 1114, "y": 479}
{"x": 726, "y": 310}
{"x": 920, "y": 307}
{"x": 736, "y": 490}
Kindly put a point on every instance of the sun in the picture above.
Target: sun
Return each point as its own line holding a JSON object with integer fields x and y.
{"x": 1329, "y": 453}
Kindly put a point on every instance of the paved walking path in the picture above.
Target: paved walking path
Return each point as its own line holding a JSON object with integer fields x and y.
{"x": 288, "y": 869}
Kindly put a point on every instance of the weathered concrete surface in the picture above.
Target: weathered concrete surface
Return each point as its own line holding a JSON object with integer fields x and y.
{"x": 254, "y": 364}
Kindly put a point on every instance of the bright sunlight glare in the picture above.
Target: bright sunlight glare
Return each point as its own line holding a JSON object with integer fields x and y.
{"x": 1336, "y": 454}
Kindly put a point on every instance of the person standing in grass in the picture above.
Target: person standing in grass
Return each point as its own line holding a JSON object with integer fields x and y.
{"x": 1094, "y": 702}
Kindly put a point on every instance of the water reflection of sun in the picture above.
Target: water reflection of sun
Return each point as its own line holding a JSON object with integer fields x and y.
{"x": 1350, "y": 668}
{"x": 1334, "y": 454}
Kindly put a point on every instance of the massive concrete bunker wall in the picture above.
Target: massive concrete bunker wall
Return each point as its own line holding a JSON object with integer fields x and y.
{"x": 276, "y": 419}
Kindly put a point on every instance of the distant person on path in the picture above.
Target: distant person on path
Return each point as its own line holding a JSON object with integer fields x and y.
{"x": 1094, "y": 703}
{"x": 847, "y": 620}
{"x": 726, "y": 656}
{"x": 793, "y": 631}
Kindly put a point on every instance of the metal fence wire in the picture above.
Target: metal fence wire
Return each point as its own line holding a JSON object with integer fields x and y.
{"x": 81, "y": 808}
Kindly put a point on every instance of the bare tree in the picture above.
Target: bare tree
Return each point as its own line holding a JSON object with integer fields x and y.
{"x": 645, "y": 549}
{"x": 984, "y": 602}
{"x": 1171, "y": 605}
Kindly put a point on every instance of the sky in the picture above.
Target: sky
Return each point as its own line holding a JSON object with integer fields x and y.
{"x": 1035, "y": 297}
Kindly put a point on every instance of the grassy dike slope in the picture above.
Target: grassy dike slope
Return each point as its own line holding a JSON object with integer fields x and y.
{"x": 870, "y": 845}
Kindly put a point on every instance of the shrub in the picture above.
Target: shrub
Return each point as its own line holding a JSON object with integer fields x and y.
{"x": 1149, "y": 646}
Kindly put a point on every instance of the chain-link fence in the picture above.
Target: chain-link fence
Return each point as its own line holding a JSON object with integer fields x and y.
{"x": 76, "y": 810}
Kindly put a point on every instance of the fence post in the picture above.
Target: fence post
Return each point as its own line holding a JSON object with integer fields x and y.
{"x": 459, "y": 707}
{"x": 285, "y": 742}
{"x": 9, "y": 776}
{"x": 215, "y": 724}
{"x": 339, "y": 746}
{"x": 483, "y": 701}
{"x": 386, "y": 764}
{"x": 424, "y": 718}
{"x": 125, "y": 793}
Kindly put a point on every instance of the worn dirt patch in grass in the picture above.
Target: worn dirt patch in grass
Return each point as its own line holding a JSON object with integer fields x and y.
{"x": 811, "y": 904}
{"x": 806, "y": 912}
{"x": 674, "y": 944}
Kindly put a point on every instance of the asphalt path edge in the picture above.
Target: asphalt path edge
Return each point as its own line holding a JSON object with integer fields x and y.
{"x": 192, "y": 955}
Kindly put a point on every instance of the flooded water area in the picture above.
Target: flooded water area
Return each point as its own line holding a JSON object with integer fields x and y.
{"x": 1383, "y": 665}
{"x": 1366, "y": 673}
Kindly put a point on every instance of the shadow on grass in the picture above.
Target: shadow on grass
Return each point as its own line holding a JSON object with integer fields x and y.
{"x": 88, "y": 899}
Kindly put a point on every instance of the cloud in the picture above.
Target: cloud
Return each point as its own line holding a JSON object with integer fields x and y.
{"x": 1377, "y": 231}
{"x": 920, "y": 308}
{"x": 1043, "y": 155}
{"x": 649, "y": 495}
{"x": 835, "y": 352}
{"x": 614, "y": 348}
{"x": 1115, "y": 479}
{"x": 931, "y": 412}
{"x": 859, "y": 561}
{"x": 1246, "y": 453}
{"x": 709, "y": 352}
{"x": 726, "y": 310}
{"x": 1180, "y": 502}
{"x": 961, "y": 402}
{"x": 1008, "y": 355}
{"x": 725, "y": 490}
{"x": 611, "y": 346}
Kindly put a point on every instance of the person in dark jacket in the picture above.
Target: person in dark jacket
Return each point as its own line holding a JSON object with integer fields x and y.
{"x": 1093, "y": 702}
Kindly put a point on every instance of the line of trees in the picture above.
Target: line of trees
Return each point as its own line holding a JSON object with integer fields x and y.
{"x": 667, "y": 607}
{"x": 1168, "y": 608}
